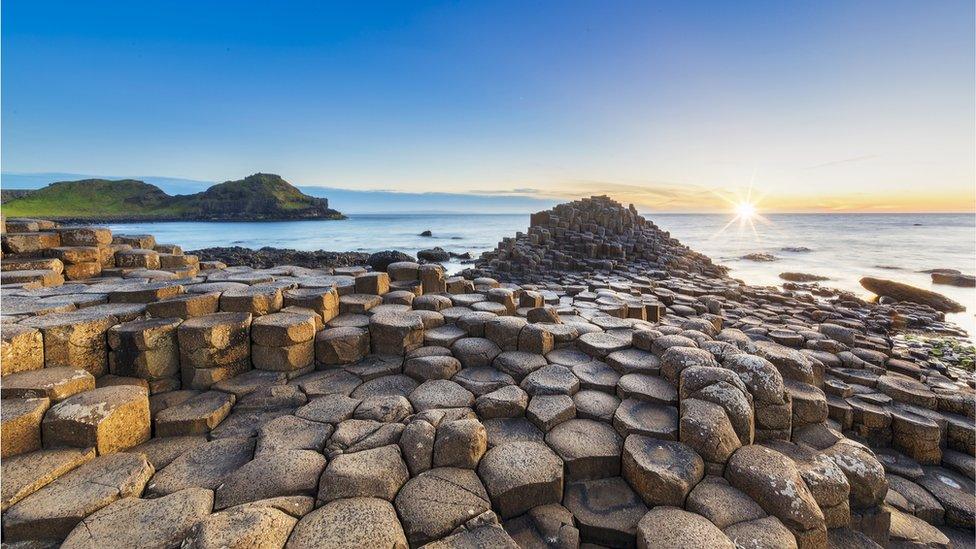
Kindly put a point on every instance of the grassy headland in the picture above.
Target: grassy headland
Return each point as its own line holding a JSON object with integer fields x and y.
{"x": 256, "y": 197}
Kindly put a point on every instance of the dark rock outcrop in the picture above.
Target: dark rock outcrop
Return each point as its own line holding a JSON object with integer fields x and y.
{"x": 904, "y": 292}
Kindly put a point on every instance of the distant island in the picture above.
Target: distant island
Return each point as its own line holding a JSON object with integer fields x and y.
{"x": 258, "y": 197}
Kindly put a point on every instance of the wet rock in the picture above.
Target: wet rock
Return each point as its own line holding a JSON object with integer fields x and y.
{"x": 607, "y": 511}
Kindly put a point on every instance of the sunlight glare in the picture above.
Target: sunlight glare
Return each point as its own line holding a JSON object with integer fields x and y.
{"x": 745, "y": 210}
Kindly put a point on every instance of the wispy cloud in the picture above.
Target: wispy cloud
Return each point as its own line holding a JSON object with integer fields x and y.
{"x": 522, "y": 190}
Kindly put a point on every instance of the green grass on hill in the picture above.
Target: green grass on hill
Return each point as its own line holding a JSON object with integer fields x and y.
{"x": 260, "y": 196}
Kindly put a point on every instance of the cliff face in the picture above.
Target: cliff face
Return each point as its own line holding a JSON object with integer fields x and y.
{"x": 256, "y": 197}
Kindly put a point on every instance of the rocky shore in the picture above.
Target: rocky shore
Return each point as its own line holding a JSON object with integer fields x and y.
{"x": 591, "y": 382}
{"x": 268, "y": 257}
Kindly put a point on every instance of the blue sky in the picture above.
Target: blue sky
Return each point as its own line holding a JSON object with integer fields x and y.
{"x": 676, "y": 105}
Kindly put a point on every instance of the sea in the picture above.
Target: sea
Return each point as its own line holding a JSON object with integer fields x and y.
{"x": 843, "y": 247}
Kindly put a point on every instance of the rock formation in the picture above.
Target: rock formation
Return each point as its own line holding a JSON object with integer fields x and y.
{"x": 633, "y": 396}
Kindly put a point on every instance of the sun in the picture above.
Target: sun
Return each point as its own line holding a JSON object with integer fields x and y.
{"x": 745, "y": 210}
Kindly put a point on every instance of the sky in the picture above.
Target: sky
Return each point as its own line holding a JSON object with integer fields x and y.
{"x": 675, "y": 106}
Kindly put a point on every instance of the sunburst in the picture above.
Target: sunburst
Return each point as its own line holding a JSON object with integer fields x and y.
{"x": 745, "y": 210}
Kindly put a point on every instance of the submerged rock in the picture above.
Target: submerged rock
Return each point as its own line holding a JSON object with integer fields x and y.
{"x": 802, "y": 277}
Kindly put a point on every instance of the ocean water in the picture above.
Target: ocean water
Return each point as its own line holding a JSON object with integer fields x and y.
{"x": 843, "y": 247}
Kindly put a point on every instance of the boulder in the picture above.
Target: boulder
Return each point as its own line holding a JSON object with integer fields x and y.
{"x": 903, "y": 292}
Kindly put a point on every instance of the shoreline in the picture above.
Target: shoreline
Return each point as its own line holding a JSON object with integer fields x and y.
{"x": 594, "y": 347}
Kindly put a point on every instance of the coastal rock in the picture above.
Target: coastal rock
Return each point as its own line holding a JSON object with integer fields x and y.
{"x": 437, "y": 254}
{"x": 802, "y": 277}
{"x": 380, "y": 260}
{"x": 904, "y": 292}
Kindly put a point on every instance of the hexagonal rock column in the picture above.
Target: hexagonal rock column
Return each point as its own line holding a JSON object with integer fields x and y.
{"x": 373, "y": 283}
{"x": 147, "y": 349}
{"x": 378, "y": 472}
{"x": 21, "y": 349}
{"x": 607, "y": 511}
{"x": 213, "y": 348}
{"x": 20, "y": 425}
{"x": 283, "y": 342}
{"x": 30, "y": 243}
{"x": 395, "y": 333}
{"x": 53, "y": 511}
{"x": 352, "y": 522}
{"x": 324, "y": 301}
{"x": 257, "y": 300}
{"x": 56, "y": 384}
{"x": 110, "y": 419}
{"x": 590, "y": 449}
{"x": 344, "y": 345}
{"x": 80, "y": 262}
{"x": 773, "y": 481}
{"x": 137, "y": 259}
{"x": 270, "y": 475}
{"x": 184, "y": 306}
{"x": 460, "y": 443}
{"x": 771, "y": 402}
{"x": 84, "y": 236}
{"x": 723, "y": 388}
{"x": 668, "y": 527}
{"x": 520, "y": 476}
{"x": 434, "y": 503}
{"x": 75, "y": 340}
{"x": 196, "y": 416}
{"x": 662, "y": 472}
{"x": 162, "y": 521}
{"x": 432, "y": 279}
